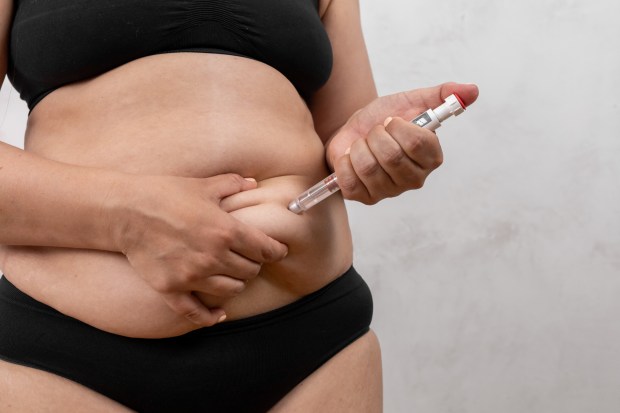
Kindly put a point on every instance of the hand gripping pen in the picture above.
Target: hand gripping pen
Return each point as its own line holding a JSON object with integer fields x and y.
{"x": 431, "y": 119}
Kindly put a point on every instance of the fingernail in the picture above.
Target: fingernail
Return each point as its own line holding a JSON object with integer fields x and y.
{"x": 348, "y": 151}
{"x": 222, "y": 318}
{"x": 387, "y": 121}
{"x": 250, "y": 179}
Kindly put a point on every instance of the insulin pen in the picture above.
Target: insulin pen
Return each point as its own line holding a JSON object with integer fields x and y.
{"x": 431, "y": 119}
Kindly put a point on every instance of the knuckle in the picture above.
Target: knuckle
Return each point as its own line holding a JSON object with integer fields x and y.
{"x": 417, "y": 182}
{"x": 269, "y": 253}
{"x": 190, "y": 277}
{"x": 391, "y": 191}
{"x": 226, "y": 288}
{"x": 348, "y": 184}
{"x": 437, "y": 161}
{"x": 223, "y": 237}
{"x": 228, "y": 235}
{"x": 365, "y": 197}
{"x": 376, "y": 131}
{"x": 163, "y": 285}
{"x": 236, "y": 180}
{"x": 394, "y": 157}
{"x": 192, "y": 314}
{"x": 368, "y": 167}
{"x": 266, "y": 250}
{"x": 205, "y": 262}
{"x": 396, "y": 192}
{"x": 413, "y": 144}
{"x": 238, "y": 288}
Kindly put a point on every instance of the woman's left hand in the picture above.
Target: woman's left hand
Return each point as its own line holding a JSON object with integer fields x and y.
{"x": 376, "y": 157}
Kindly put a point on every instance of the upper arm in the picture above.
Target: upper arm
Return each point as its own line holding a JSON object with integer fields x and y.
{"x": 6, "y": 15}
{"x": 351, "y": 85}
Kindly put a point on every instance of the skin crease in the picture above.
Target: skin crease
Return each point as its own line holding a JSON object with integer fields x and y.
{"x": 222, "y": 114}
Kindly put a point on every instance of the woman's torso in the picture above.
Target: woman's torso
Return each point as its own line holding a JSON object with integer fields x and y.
{"x": 193, "y": 115}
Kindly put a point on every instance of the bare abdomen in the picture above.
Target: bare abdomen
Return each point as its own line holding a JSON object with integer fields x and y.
{"x": 212, "y": 117}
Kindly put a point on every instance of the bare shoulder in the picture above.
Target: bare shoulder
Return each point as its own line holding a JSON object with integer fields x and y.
{"x": 6, "y": 15}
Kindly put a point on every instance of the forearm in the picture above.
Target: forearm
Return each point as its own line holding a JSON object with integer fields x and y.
{"x": 47, "y": 203}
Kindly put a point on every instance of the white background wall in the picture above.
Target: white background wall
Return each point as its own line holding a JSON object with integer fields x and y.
{"x": 497, "y": 286}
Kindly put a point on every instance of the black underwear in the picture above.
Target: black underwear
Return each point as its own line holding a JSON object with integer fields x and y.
{"x": 240, "y": 366}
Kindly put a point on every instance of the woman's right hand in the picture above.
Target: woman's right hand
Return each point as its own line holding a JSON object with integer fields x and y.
{"x": 179, "y": 240}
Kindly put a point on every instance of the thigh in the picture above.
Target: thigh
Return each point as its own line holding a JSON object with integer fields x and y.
{"x": 25, "y": 390}
{"x": 350, "y": 381}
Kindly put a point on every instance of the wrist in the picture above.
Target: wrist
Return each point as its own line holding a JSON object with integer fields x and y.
{"x": 119, "y": 206}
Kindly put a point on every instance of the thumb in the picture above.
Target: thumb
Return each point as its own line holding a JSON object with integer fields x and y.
{"x": 468, "y": 92}
{"x": 411, "y": 103}
{"x": 431, "y": 97}
{"x": 221, "y": 186}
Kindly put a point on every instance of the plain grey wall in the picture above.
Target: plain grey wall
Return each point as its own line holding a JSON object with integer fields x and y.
{"x": 497, "y": 286}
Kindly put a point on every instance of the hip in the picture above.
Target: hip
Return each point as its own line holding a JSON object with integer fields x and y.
{"x": 272, "y": 352}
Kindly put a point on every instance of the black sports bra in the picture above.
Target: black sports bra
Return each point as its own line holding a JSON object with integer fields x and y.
{"x": 58, "y": 42}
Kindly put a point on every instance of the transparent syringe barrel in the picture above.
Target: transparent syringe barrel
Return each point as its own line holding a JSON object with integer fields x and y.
{"x": 316, "y": 194}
